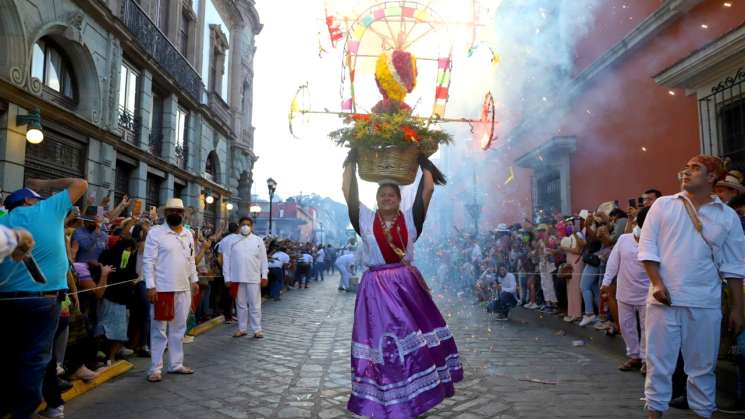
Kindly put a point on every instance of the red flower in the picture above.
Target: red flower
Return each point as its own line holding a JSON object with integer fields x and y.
{"x": 410, "y": 134}
{"x": 361, "y": 116}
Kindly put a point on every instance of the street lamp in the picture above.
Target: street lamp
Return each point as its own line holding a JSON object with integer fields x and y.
{"x": 229, "y": 206}
{"x": 33, "y": 131}
{"x": 271, "y": 184}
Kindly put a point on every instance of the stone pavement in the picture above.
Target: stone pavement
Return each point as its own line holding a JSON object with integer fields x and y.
{"x": 301, "y": 370}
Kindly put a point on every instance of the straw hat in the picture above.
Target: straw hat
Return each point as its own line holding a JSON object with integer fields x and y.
{"x": 542, "y": 227}
{"x": 174, "y": 203}
{"x": 733, "y": 180}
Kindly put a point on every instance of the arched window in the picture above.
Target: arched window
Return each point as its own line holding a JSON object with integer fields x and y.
{"x": 51, "y": 66}
{"x": 212, "y": 167}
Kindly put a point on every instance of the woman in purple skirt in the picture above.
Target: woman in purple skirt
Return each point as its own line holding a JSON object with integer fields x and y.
{"x": 404, "y": 358}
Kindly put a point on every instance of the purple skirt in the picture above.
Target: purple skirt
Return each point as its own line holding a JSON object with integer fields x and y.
{"x": 404, "y": 358}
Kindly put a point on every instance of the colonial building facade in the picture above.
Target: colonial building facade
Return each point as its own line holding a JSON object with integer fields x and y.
{"x": 150, "y": 98}
{"x": 653, "y": 84}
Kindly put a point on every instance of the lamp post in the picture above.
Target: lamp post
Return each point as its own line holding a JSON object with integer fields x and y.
{"x": 34, "y": 135}
{"x": 271, "y": 184}
{"x": 255, "y": 210}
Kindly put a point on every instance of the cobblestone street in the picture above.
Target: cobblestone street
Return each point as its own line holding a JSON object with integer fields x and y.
{"x": 300, "y": 370}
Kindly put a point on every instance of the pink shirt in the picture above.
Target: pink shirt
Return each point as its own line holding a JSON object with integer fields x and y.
{"x": 632, "y": 283}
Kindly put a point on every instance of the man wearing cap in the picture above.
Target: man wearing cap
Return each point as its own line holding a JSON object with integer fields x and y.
{"x": 29, "y": 310}
{"x": 690, "y": 241}
{"x": 171, "y": 276}
{"x": 88, "y": 241}
{"x": 245, "y": 263}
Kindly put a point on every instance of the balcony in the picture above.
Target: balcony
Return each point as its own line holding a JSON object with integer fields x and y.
{"x": 181, "y": 153}
{"x": 160, "y": 49}
{"x": 130, "y": 126}
{"x": 219, "y": 108}
{"x": 155, "y": 146}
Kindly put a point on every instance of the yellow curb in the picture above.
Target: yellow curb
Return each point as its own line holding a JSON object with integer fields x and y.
{"x": 80, "y": 387}
{"x": 206, "y": 326}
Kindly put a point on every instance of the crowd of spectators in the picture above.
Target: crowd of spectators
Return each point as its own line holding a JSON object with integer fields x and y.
{"x": 95, "y": 298}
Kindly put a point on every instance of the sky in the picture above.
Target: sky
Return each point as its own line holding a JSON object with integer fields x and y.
{"x": 288, "y": 56}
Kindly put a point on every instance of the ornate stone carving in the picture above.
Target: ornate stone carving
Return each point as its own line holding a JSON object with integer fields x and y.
{"x": 17, "y": 76}
{"x": 35, "y": 85}
{"x": 75, "y": 19}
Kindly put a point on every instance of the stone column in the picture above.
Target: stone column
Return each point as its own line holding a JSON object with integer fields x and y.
{"x": 170, "y": 119}
{"x": 235, "y": 88}
{"x": 12, "y": 149}
{"x": 145, "y": 109}
{"x": 138, "y": 182}
{"x": 166, "y": 189}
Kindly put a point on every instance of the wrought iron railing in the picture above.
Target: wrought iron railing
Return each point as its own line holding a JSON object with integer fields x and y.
{"x": 130, "y": 125}
{"x": 181, "y": 153}
{"x": 159, "y": 47}
{"x": 155, "y": 144}
{"x": 722, "y": 119}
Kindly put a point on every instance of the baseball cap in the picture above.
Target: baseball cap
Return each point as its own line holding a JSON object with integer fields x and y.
{"x": 16, "y": 198}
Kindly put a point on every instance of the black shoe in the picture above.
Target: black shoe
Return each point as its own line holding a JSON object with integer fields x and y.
{"x": 680, "y": 403}
{"x": 737, "y": 408}
{"x": 63, "y": 385}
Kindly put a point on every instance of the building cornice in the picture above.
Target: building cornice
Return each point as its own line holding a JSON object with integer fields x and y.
{"x": 701, "y": 66}
{"x": 661, "y": 18}
{"x": 547, "y": 153}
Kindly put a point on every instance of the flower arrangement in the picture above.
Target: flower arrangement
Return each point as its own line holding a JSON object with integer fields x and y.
{"x": 389, "y": 129}
{"x": 390, "y": 141}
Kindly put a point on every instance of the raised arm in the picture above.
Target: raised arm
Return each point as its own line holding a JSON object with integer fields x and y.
{"x": 351, "y": 193}
{"x": 75, "y": 187}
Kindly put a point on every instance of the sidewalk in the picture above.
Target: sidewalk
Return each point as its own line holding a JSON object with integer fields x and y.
{"x": 614, "y": 345}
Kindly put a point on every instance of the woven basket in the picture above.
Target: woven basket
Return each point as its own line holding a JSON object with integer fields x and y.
{"x": 391, "y": 164}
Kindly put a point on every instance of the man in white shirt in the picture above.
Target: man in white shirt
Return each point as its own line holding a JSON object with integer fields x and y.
{"x": 277, "y": 263}
{"x": 507, "y": 291}
{"x": 244, "y": 261}
{"x": 320, "y": 263}
{"x": 344, "y": 264}
{"x": 688, "y": 242}
{"x": 169, "y": 270}
{"x": 632, "y": 286}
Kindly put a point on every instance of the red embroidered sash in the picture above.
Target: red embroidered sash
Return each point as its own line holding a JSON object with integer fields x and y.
{"x": 399, "y": 234}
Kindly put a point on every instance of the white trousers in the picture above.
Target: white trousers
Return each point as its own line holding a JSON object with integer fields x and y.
{"x": 635, "y": 344}
{"x": 248, "y": 304}
{"x": 174, "y": 339}
{"x": 695, "y": 333}
{"x": 344, "y": 280}
{"x": 547, "y": 284}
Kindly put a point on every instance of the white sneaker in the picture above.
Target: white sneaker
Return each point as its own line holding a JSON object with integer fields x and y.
{"x": 188, "y": 339}
{"x": 60, "y": 370}
{"x": 125, "y": 352}
{"x": 602, "y": 325}
{"x": 568, "y": 319}
{"x": 53, "y": 412}
{"x": 587, "y": 319}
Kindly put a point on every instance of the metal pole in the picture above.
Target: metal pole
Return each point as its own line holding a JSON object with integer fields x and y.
{"x": 271, "y": 195}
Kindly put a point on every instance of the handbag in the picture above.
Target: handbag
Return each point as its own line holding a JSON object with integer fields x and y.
{"x": 264, "y": 282}
{"x": 591, "y": 259}
{"x": 164, "y": 309}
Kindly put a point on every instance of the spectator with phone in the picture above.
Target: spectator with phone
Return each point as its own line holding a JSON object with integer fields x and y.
{"x": 88, "y": 241}
{"x": 690, "y": 241}
{"x": 29, "y": 311}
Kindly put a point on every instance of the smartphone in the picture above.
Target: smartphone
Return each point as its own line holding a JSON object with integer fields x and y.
{"x": 641, "y": 201}
{"x": 99, "y": 212}
{"x": 76, "y": 211}
{"x": 33, "y": 269}
{"x": 137, "y": 208}
{"x": 632, "y": 203}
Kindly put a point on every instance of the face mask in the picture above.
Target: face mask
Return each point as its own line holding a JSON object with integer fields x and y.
{"x": 637, "y": 231}
{"x": 174, "y": 220}
{"x": 245, "y": 230}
